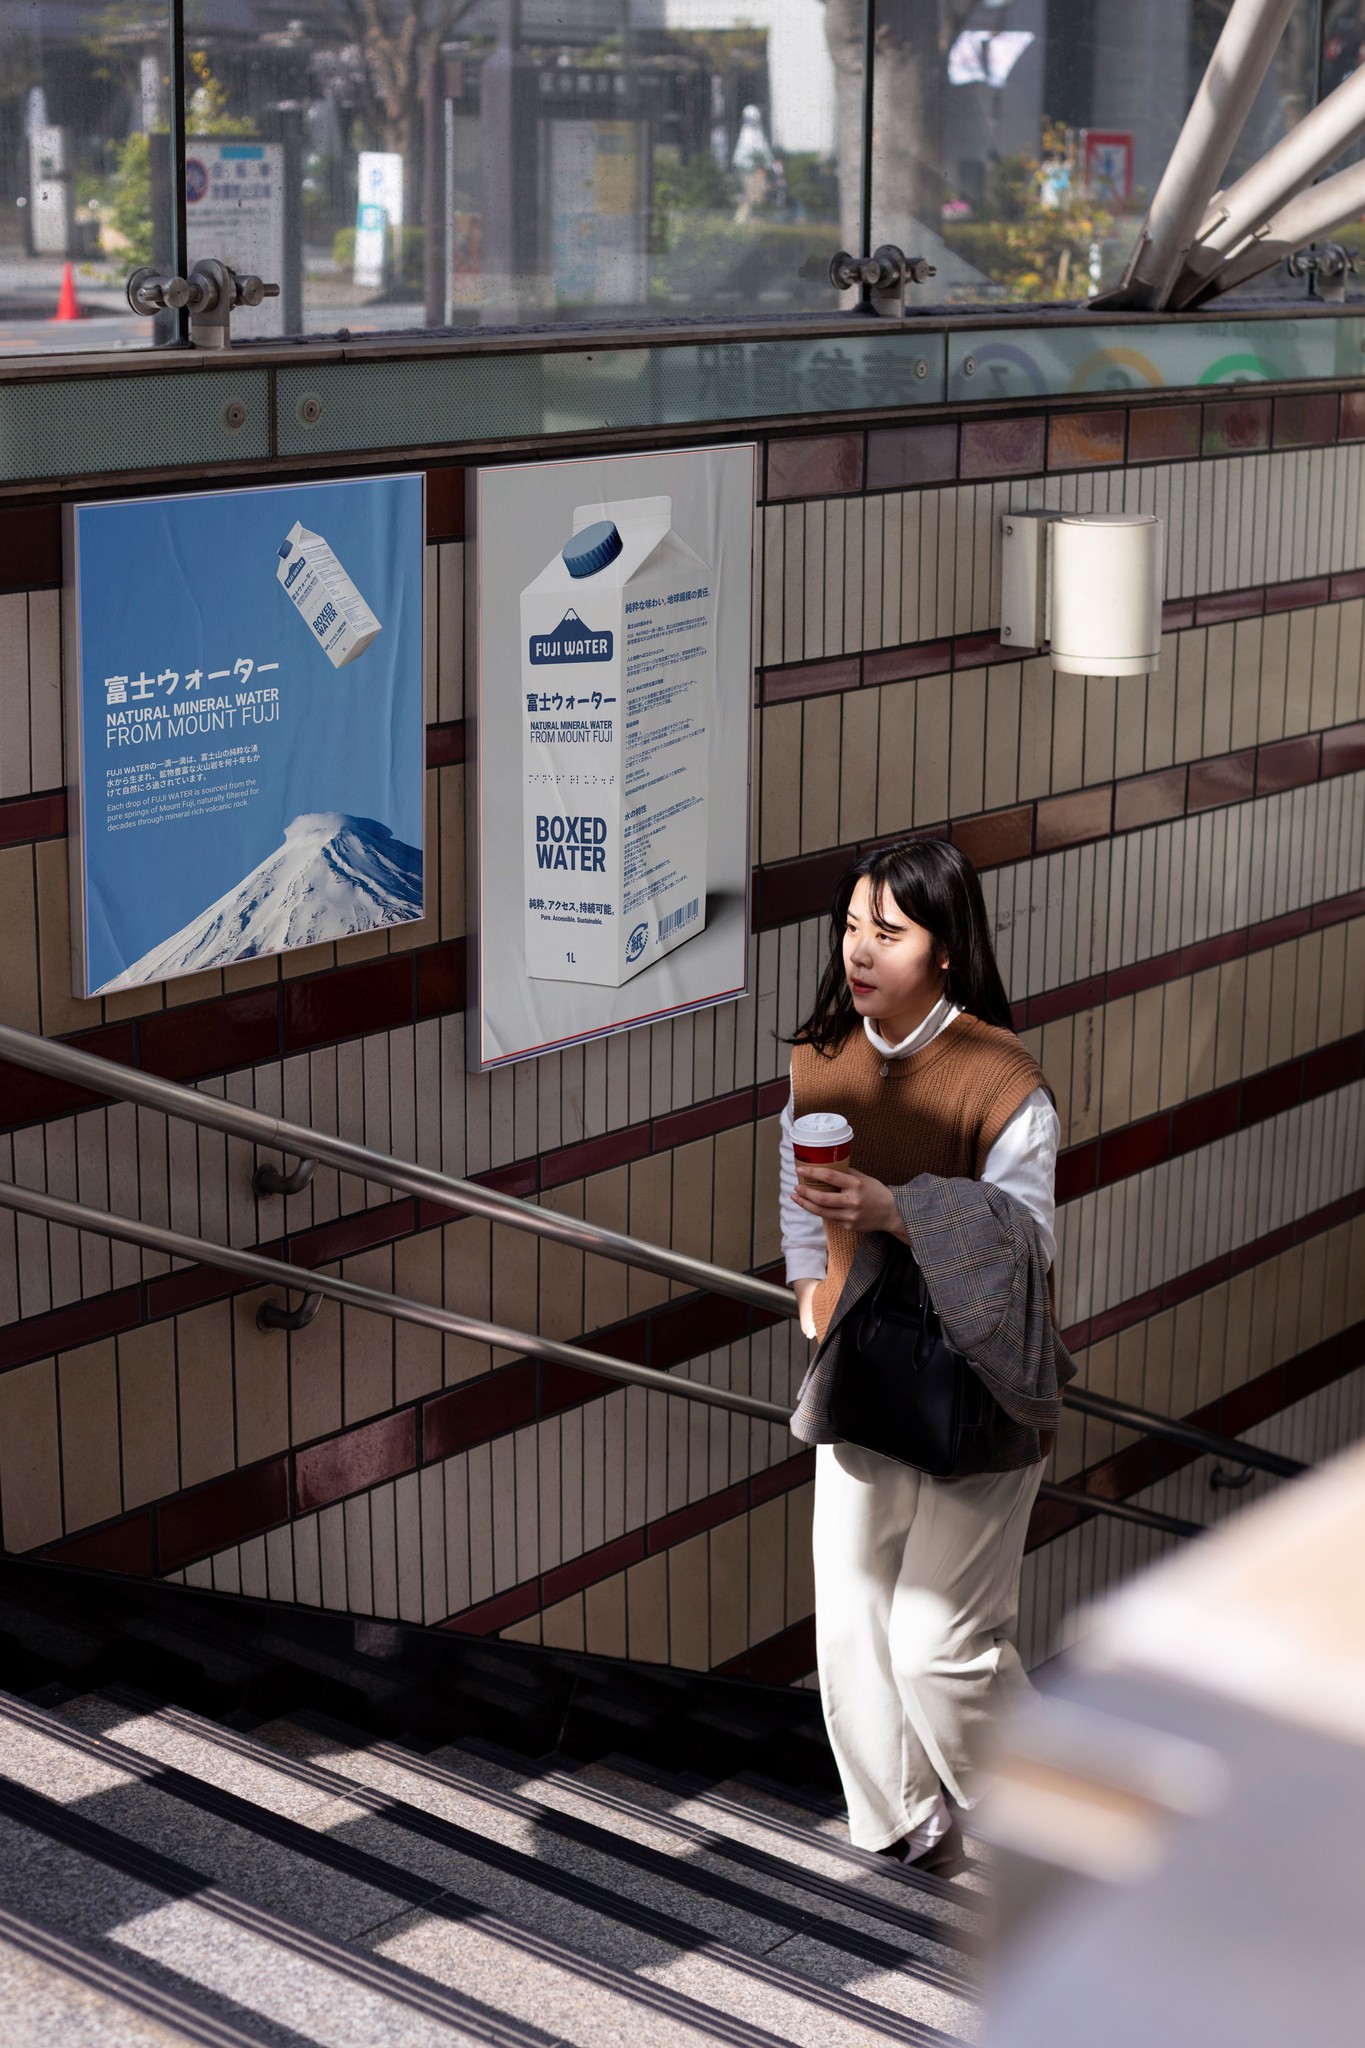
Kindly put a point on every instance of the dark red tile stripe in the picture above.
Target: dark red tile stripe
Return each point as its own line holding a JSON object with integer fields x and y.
{"x": 361, "y": 1458}
{"x": 24, "y": 819}
{"x": 1144, "y": 1463}
{"x": 781, "y": 1660}
{"x": 446, "y": 744}
{"x": 30, "y": 547}
{"x": 1123, "y": 1315}
{"x": 228, "y": 1510}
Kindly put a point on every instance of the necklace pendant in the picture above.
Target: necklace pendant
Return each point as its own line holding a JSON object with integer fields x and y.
{"x": 886, "y": 1068}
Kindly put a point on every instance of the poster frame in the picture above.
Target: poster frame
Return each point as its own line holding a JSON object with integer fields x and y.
{"x": 73, "y": 707}
{"x": 477, "y": 1059}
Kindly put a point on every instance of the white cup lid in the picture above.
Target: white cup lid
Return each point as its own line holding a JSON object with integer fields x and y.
{"x": 822, "y": 1127}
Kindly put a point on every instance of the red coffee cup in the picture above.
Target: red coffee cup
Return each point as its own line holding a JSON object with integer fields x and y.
{"x": 820, "y": 1139}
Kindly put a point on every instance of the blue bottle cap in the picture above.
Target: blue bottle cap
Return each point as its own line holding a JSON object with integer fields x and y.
{"x": 287, "y": 549}
{"x": 592, "y": 548}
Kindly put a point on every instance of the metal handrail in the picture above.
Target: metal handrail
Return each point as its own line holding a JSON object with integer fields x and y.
{"x": 1120, "y": 1510}
{"x": 302, "y": 1279}
{"x": 424, "y": 1183}
{"x": 171, "y": 1098}
{"x": 1189, "y": 1433}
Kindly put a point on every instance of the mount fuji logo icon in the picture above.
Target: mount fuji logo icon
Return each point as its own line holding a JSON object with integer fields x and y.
{"x": 332, "y": 877}
{"x": 571, "y": 640}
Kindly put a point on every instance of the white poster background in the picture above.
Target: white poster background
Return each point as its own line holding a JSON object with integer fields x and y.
{"x": 520, "y": 517}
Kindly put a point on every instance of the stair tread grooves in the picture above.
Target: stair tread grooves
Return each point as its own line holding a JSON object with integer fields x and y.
{"x": 381, "y": 2005}
{"x": 822, "y": 2012}
{"x": 45, "y": 2002}
{"x": 697, "y": 1898}
{"x": 836, "y": 1902}
{"x": 719, "y": 1798}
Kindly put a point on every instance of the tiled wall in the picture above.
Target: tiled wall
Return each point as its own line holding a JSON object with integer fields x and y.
{"x": 1175, "y": 866}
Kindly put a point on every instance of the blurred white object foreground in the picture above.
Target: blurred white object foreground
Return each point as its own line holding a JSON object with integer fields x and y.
{"x": 1180, "y": 1819}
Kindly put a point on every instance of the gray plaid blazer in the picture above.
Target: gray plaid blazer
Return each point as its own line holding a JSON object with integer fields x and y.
{"x": 978, "y": 1251}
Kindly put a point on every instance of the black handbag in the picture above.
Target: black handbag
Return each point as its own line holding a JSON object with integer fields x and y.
{"x": 900, "y": 1388}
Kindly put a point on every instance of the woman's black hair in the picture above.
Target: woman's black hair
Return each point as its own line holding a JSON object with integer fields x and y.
{"x": 937, "y": 887}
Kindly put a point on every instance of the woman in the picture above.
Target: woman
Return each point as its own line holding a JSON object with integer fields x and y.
{"x": 916, "y": 1579}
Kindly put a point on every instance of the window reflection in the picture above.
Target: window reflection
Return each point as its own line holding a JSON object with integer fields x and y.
{"x": 411, "y": 164}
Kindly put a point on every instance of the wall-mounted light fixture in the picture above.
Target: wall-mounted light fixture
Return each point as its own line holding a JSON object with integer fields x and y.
{"x": 1090, "y": 584}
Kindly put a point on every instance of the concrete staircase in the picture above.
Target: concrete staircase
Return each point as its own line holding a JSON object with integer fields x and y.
{"x": 165, "y": 1878}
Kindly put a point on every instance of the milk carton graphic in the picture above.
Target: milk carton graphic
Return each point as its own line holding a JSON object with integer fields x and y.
{"x": 618, "y": 688}
{"x": 324, "y": 596}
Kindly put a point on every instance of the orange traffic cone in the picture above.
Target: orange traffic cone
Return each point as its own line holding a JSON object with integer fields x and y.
{"x": 68, "y": 306}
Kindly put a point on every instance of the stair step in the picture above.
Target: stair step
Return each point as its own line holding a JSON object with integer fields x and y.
{"x": 733, "y": 1808}
{"x": 155, "y": 1932}
{"x": 684, "y": 1986}
{"x": 54, "y": 1992}
{"x": 862, "y": 1891}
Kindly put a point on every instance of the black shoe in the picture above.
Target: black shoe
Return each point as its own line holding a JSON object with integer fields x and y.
{"x": 948, "y": 1857}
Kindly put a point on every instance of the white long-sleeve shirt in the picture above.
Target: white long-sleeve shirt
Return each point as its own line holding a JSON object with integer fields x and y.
{"x": 1022, "y": 1161}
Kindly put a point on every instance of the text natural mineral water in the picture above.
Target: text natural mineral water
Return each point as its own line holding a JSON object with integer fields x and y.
{"x": 324, "y": 596}
{"x": 618, "y": 687}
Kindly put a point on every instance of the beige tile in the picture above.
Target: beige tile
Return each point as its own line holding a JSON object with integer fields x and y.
{"x": 561, "y": 1626}
{"x": 820, "y": 773}
{"x": 1203, "y": 1031}
{"x": 1004, "y": 687}
{"x": 1307, "y": 993}
{"x": 87, "y": 1398}
{"x": 604, "y": 1617}
{"x": 1256, "y": 1036}
{"x": 1130, "y": 726}
{"x": 800, "y": 1558}
{"x": 729, "y": 1590}
{"x": 896, "y": 758}
{"x": 467, "y": 1262}
{"x": 308, "y": 960}
{"x": 767, "y": 1570}
{"x": 30, "y": 1473}
{"x": 767, "y": 1228}
{"x": 367, "y": 1340}
{"x": 793, "y": 594}
{"x": 1237, "y": 1343}
{"x": 1057, "y": 1063}
{"x": 18, "y": 940}
{"x": 61, "y": 1011}
{"x": 1322, "y": 698}
{"x": 16, "y": 777}
{"x": 1350, "y": 649}
{"x": 1213, "y": 1347}
{"x": 561, "y": 1272}
{"x": 1259, "y": 1350}
{"x": 203, "y": 1352}
{"x": 1247, "y": 636}
{"x": 967, "y": 747}
{"x": 1161, "y": 695}
{"x": 1159, "y": 1370}
{"x": 1175, "y": 1044}
{"x": 1148, "y": 1010}
{"x": 147, "y": 1413}
{"x": 1068, "y": 732}
{"x": 1311, "y": 1303}
{"x": 1189, "y": 696}
{"x": 780, "y": 824}
{"x": 858, "y": 763}
{"x": 1336, "y": 1280}
{"x": 1232, "y": 998}
{"x": 527, "y": 1631}
{"x": 417, "y": 1267}
{"x": 1283, "y": 993}
{"x": 733, "y": 1238}
{"x": 516, "y": 1287}
{"x": 1299, "y": 680}
{"x": 193, "y": 988}
{"x": 1218, "y": 690}
{"x": 1086, "y": 1066}
{"x": 251, "y": 974}
{"x": 315, "y": 1376}
{"x": 606, "y": 1201}
{"x": 1101, "y": 714}
{"x": 1274, "y": 671}
{"x": 1289, "y": 1293}
{"x": 651, "y": 1217}
{"x": 933, "y": 705}
{"x": 1355, "y": 1300}
{"x": 1353, "y": 985}
{"x": 1331, "y": 1023}
{"x": 647, "y": 1610}
{"x": 689, "y": 1596}
{"x": 261, "y": 1374}
{"x": 1035, "y": 728}
{"x": 1185, "y": 1354}
{"x": 1116, "y": 1087}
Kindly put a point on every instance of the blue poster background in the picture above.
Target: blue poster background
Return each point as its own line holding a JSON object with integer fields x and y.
{"x": 186, "y": 588}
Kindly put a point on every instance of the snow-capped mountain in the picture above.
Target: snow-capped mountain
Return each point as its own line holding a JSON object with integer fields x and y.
{"x": 333, "y": 876}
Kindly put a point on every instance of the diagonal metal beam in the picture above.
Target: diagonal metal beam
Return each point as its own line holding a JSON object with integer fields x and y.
{"x": 1306, "y": 218}
{"x": 1243, "y": 210}
{"x": 1235, "y": 73}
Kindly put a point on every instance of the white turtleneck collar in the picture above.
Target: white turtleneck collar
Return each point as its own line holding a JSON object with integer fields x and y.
{"x": 938, "y": 1019}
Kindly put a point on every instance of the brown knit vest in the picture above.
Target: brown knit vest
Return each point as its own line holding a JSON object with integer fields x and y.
{"x": 937, "y": 1111}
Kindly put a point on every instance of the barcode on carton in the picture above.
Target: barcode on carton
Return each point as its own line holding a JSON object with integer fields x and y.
{"x": 686, "y": 913}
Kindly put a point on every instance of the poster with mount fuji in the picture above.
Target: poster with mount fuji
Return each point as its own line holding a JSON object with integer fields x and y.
{"x": 612, "y": 597}
{"x": 244, "y": 691}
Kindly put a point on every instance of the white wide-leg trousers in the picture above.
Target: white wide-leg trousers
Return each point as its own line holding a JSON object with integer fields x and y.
{"x": 916, "y": 1599}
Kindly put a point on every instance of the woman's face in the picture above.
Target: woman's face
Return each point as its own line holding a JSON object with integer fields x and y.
{"x": 895, "y": 975}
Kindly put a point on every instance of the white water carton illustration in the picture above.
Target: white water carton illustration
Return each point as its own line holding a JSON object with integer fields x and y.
{"x": 618, "y": 689}
{"x": 324, "y": 596}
